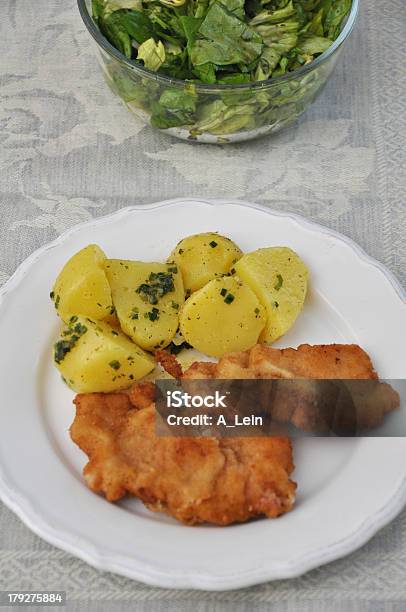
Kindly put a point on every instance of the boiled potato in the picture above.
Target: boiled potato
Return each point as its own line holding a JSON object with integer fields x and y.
{"x": 202, "y": 257}
{"x": 222, "y": 317}
{"x": 278, "y": 277}
{"x": 147, "y": 298}
{"x": 82, "y": 286}
{"x": 94, "y": 357}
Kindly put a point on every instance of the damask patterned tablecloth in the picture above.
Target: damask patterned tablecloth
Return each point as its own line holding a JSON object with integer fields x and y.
{"x": 70, "y": 151}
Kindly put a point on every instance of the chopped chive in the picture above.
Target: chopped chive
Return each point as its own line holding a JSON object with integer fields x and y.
{"x": 279, "y": 282}
{"x": 213, "y": 244}
{"x": 229, "y": 298}
{"x": 116, "y": 365}
{"x": 71, "y": 335}
{"x": 153, "y": 315}
{"x": 156, "y": 286}
{"x": 61, "y": 349}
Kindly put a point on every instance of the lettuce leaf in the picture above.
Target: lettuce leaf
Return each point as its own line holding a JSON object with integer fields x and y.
{"x": 113, "y": 29}
{"x": 310, "y": 44}
{"x": 335, "y": 17}
{"x": 226, "y": 39}
{"x": 121, "y": 27}
{"x": 174, "y": 108}
{"x": 191, "y": 27}
{"x": 218, "y": 118}
{"x": 236, "y": 7}
{"x": 206, "y": 73}
{"x": 116, "y": 5}
{"x": 274, "y": 16}
{"x": 152, "y": 53}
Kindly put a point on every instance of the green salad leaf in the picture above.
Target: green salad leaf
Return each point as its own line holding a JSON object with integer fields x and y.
{"x": 116, "y": 5}
{"x": 191, "y": 27}
{"x": 226, "y": 39}
{"x": 236, "y": 7}
{"x": 310, "y": 44}
{"x": 97, "y": 9}
{"x": 175, "y": 107}
{"x": 113, "y": 29}
{"x": 152, "y": 53}
{"x": 206, "y": 73}
{"x": 338, "y": 10}
{"x": 279, "y": 15}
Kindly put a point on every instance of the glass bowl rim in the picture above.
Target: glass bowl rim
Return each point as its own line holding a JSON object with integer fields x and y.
{"x": 210, "y": 88}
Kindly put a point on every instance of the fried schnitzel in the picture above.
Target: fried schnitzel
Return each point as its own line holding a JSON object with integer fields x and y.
{"x": 193, "y": 479}
{"x": 214, "y": 480}
{"x": 308, "y": 403}
{"x": 329, "y": 361}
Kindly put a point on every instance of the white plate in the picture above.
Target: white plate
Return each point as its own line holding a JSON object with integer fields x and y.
{"x": 348, "y": 489}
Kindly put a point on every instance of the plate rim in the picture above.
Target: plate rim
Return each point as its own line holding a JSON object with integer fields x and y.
{"x": 22, "y": 506}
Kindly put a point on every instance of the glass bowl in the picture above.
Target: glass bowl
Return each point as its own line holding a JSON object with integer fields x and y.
{"x": 215, "y": 113}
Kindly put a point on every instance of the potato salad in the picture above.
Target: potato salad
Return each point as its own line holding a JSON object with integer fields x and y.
{"x": 208, "y": 295}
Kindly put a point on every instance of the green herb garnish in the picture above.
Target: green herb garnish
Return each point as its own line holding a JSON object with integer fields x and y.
{"x": 223, "y": 292}
{"x": 71, "y": 336}
{"x": 279, "y": 282}
{"x": 116, "y": 365}
{"x": 213, "y": 244}
{"x": 61, "y": 349}
{"x": 229, "y": 298}
{"x": 156, "y": 286}
{"x": 153, "y": 315}
{"x": 80, "y": 329}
